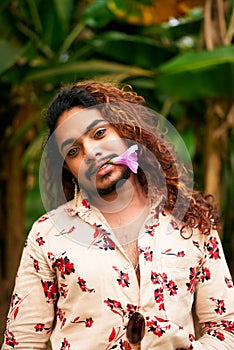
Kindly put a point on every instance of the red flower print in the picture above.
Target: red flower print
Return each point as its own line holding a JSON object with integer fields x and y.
{"x": 158, "y": 326}
{"x": 150, "y": 229}
{"x": 63, "y": 264}
{"x": 197, "y": 245}
{"x": 112, "y": 336}
{"x": 219, "y": 335}
{"x": 116, "y": 334}
{"x": 191, "y": 337}
{"x": 214, "y": 332}
{"x": 131, "y": 308}
{"x": 159, "y": 298}
{"x": 212, "y": 247}
{"x": 116, "y": 307}
{"x": 156, "y": 212}
{"x": 16, "y": 300}
{"x": 40, "y": 239}
{"x": 108, "y": 243}
{"x": 102, "y": 239}
{"x": 174, "y": 225}
{"x": 50, "y": 290}
{"x": 162, "y": 281}
{"x": 63, "y": 290}
{"x": 215, "y": 329}
{"x": 172, "y": 287}
{"x": 192, "y": 280}
{"x": 228, "y": 326}
{"x": 123, "y": 278}
{"x": 43, "y": 218}
{"x": 148, "y": 254}
{"x": 82, "y": 283}
{"x": 14, "y": 305}
{"x": 85, "y": 204}
{"x": 203, "y": 275}
{"x": 228, "y": 282}
{"x": 61, "y": 317}
{"x": 35, "y": 264}
{"x": 180, "y": 254}
{"x": 220, "y": 306}
{"x": 10, "y": 339}
{"x": 40, "y": 327}
{"x": 65, "y": 345}
{"x": 113, "y": 304}
{"x": 158, "y": 278}
{"x": 88, "y": 322}
{"x": 75, "y": 319}
{"x": 66, "y": 232}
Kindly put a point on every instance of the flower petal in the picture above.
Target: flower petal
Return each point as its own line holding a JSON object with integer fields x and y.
{"x": 128, "y": 158}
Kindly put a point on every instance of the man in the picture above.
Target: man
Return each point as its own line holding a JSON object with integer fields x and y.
{"x": 121, "y": 264}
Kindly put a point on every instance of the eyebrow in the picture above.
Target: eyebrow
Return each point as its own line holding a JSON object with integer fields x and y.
{"x": 70, "y": 141}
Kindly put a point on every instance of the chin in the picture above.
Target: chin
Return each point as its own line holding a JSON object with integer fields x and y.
{"x": 114, "y": 185}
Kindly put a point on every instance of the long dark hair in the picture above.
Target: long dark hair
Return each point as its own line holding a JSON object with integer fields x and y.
{"x": 200, "y": 213}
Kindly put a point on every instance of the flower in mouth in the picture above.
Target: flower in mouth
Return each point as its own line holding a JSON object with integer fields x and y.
{"x": 128, "y": 158}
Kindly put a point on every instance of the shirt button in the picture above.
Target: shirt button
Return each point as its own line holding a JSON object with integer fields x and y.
{"x": 127, "y": 266}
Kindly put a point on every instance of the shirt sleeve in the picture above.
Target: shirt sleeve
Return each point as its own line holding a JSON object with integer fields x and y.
{"x": 31, "y": 313}
{"x": 214, "y": 302}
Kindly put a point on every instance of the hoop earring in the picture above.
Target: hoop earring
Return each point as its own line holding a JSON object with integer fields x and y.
{"x": 75, "y": 192}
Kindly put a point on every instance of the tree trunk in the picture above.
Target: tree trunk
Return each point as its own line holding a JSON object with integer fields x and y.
{"x": 219, "y": 116}
{"x": 13, "y": 212}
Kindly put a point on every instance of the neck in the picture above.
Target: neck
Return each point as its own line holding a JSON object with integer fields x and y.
{"x": 127, "y": 215}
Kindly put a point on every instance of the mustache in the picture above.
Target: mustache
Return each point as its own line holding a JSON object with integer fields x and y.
{"x": 93, "y": 168}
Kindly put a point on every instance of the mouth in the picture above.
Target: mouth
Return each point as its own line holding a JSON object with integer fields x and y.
{"x": 104, "y": 169}
{"x": 100, "y": 167}
{"x": 103, "y": 166}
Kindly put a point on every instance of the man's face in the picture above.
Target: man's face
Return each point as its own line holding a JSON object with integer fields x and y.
{"x": 87, "y": 142}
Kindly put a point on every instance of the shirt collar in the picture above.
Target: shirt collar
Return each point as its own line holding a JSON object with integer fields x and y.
{"x": 84, "y": 209}
{"x": 79, "y": 207}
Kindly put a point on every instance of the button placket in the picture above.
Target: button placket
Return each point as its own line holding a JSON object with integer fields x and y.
{"x": 127, "y": 266}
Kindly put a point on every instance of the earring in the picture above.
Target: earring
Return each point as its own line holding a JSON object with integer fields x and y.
{"x": 75, "y": 192}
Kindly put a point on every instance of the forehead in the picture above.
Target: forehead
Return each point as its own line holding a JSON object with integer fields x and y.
{"x": 76, "y": 122}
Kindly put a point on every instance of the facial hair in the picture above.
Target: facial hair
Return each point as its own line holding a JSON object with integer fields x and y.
{"x": 116, "y": 184}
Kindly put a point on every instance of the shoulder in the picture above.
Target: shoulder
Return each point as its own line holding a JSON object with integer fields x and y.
{"x": 54, "y": 220}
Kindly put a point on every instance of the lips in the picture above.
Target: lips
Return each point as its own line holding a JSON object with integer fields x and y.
{"x": 103, "y": 166}
{"x": 100, "y": 166}
{"x": 104, "y": 169}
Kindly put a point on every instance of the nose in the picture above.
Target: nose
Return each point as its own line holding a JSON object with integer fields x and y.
{"x": 91, "y": 152}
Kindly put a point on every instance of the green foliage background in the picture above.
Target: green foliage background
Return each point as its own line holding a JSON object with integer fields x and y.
{"x": 45, "y": 44}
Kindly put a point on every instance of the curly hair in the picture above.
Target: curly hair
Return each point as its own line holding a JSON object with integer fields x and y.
{"x": 126, "y": 112}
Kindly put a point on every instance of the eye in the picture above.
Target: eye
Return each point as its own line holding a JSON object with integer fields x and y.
{"x": 100, "y": 133}
{"x": 73, "y": 152}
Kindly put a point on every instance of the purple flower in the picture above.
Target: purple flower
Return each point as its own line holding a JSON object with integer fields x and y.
{"x": 128, "y": 158}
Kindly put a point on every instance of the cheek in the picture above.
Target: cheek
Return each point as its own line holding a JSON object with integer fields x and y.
{"x": 116, "y": 144}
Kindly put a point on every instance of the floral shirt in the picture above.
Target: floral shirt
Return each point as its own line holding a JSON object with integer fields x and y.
{"x": 77, "y": 288}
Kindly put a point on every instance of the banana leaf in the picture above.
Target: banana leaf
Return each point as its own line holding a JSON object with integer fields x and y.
{"x": 209, "y": 73}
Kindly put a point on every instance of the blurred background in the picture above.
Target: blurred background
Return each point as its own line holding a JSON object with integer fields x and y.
{"x": 178, "y": 54}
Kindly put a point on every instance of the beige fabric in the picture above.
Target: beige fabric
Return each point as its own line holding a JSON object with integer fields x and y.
{"x": 73, "y": 271}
